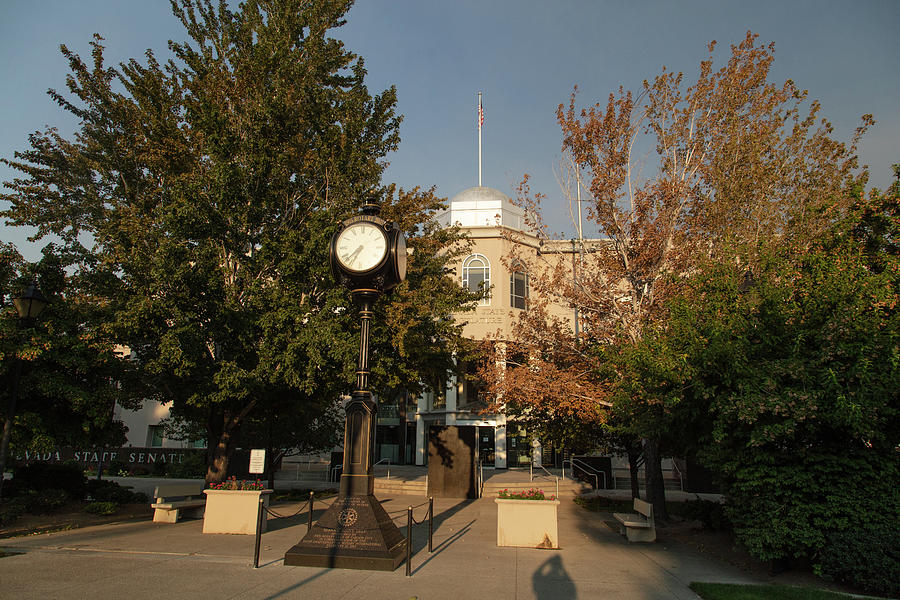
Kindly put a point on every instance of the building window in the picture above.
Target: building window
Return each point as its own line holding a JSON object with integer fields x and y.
{"x": 155, "y": 435}
{"x": 518, "y": 287}
{"x": 476, "y": 276}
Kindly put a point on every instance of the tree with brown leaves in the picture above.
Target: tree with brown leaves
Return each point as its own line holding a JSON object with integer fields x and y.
{"x": 674, "y": 177}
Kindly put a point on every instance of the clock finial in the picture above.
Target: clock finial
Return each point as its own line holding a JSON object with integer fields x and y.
{"x": 370, "y": 207}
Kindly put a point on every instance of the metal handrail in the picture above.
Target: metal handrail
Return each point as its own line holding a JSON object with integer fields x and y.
{"x": 332, "y": 477}
{"x": 541, "y": 467}
{"x": 589, "y": 470}
{"x": 388, "y": 461}
{"x": 480, "y": 478}
{"x": 680, "y": 475}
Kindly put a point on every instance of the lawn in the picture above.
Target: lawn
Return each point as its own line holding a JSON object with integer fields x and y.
{"x": 732, "y": 591}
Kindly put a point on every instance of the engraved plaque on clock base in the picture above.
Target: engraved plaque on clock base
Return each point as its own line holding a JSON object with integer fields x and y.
{"x": 354, "y": 533}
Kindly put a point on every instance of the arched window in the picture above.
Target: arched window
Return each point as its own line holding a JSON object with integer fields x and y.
{"x": 518, "y": 286}
{"x": 476, "y": 276}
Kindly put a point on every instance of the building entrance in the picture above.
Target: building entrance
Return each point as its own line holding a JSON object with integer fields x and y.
{"x": 486, "y": 446}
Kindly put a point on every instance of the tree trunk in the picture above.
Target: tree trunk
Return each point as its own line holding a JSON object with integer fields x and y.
{"x": 634, "y": 455}
{"x": 219, "y": 453}
{"x": 10, "y": 419}
{"x": 270, "y": 465}
{"x": 656, "y": 491}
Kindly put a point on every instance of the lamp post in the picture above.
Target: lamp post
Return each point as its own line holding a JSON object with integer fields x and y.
{"x": 29, "y": 305}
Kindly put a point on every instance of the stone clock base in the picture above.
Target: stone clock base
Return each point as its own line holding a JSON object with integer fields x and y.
{"x": 354, "y": 533}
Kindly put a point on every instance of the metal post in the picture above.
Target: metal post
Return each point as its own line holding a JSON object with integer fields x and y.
{"x": 408, "y": 541}
{"x": 260, "y": 515}
{"x": 309, "y": 516}
{"x": 430, "y": 522}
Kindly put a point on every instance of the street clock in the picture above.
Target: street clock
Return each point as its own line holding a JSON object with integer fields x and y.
{"x": 368, "y": 252}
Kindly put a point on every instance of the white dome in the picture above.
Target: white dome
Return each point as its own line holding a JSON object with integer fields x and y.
{"x": 483, "y": 207}
{"x": 481, "y": 195}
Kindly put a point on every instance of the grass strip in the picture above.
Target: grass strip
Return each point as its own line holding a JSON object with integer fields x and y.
{"x": 734, "y": 591}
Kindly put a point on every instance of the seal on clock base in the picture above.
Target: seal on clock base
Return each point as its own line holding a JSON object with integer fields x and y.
{"x": 354, "y": 533}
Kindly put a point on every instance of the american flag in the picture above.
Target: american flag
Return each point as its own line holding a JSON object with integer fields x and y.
{"x": 480, "y": 113}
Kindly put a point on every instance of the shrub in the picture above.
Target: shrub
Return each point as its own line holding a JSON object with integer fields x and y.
{"x": 193, "y": 466}
{"x": 868, "y": 558}
{"x": 117, "y": 467}
{"x": 711, "y": 514}
{"x": 45, "y": 501}
{"x": 43, "y": 476}
{"x": 159, "y": 469}
{"x": 10, "y": 510}
{"x": 110, "y": 491}
{"x": 101, "y": 508}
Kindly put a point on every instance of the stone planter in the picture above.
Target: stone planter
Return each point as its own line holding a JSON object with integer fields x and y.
{"x": 233, "y": 511}
{"x": 527, "y": 523}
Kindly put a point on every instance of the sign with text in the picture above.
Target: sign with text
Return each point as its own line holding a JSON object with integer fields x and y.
{"x": 130, "y": 456}
{"x": 257, "y": 461}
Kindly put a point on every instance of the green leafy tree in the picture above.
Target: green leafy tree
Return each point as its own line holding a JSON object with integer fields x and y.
{"x": 69, "y": 373}
{"x": 794, "y": 373}
{"x": 201, "y": 196}
{"x": 202, "y": 193}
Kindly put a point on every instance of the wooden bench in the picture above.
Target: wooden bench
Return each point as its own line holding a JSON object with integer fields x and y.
{"x": 177, "y": 500}
{"x": 639, "y": 525}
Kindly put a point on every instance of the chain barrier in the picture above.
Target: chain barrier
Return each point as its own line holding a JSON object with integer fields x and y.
{"x": 263, "y": 509}
{"x": 310, "y": 506}
{"x": 410, "y": 520}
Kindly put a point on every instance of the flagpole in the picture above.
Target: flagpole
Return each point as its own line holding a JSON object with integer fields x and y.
{"x": 480, "y": 120}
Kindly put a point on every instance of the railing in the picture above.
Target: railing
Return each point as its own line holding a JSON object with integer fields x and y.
{"x": 588, "y": 470}
{"x": 679, "y": 473}
{"x": 383, "y": 460}
{"x": 542, "y": 468}
{"x": 549, "y": 474}
{"x": 333, "y": 474}
{"x": 480, "y": 483}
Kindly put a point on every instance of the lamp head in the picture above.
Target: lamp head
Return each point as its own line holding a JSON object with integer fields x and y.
{"x": 31, "y": 303}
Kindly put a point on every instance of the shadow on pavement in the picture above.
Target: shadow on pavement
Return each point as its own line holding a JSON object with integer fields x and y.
{"x": 551, "y": 581}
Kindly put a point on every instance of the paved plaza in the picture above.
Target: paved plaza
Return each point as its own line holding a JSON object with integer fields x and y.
{"x": 138, "y": 560}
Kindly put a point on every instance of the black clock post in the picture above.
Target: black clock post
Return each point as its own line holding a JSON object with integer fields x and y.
{"x": 368, "y": 255}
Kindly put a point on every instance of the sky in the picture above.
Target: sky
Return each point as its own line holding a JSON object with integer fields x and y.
{"x": 525, "y": 56}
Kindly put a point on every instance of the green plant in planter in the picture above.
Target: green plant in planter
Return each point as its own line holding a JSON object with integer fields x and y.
{"x": 232, "y": 483}
{"x": 532, "y": 494}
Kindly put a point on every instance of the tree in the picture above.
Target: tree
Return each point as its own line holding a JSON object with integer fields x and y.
{"x": 69, "y": 374}
{"x": 739, "y": 163}
{"x": 795, "y": 371}
{"x": 204, "y": 192}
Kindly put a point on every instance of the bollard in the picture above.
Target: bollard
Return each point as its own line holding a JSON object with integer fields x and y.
{"x": 260, "y": 515}
{"x": 408, "y": 541}
{"x": 430, "y": 521}
{"x": 309, "y": 520}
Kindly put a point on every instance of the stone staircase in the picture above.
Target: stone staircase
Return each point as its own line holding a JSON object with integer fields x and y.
{"x": 413, "y": 481}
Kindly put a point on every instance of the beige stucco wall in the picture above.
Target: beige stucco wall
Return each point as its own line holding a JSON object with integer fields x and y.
{"x": 495, "y": 319}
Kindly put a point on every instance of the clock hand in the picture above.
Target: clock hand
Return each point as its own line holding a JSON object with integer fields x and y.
{"x": 352, "y": 257}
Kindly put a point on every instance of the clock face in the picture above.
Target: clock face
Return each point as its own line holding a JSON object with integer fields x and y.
{"x": 361, "y": 247}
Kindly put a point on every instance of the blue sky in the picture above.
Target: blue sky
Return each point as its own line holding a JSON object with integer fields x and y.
{"x": 524, "y": 55}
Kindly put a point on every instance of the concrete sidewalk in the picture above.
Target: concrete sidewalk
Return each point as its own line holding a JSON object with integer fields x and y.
{"x": 147, "y": 560}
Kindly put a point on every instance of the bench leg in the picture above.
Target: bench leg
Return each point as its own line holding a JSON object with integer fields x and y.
{"x": 194, "y": 513}
{"x": 635, "y": 534}
{"x": 162, "y": 515}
